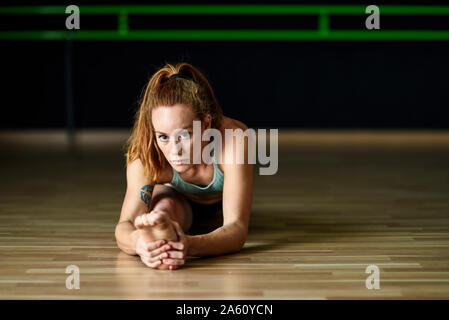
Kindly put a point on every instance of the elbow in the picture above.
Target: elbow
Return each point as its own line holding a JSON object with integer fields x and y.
{"x": 117, "y": 236}
{"x": 239, "y": 247}
{"x": 236, "y": 237}
{"x": 116, "y": 233}
{"x": 241, "y": 240}
{"x": 241, "y": 244}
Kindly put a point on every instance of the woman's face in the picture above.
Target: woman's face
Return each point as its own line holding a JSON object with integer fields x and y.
{"x": 173, "y": 127}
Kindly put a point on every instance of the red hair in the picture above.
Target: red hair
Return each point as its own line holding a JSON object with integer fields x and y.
{"x": 198, "y": 94}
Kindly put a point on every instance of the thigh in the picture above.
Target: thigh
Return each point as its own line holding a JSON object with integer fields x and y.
{"x": 174, "y": 202}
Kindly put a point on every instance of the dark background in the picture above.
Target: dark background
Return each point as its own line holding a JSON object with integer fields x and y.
{"x": 304, "y": 84}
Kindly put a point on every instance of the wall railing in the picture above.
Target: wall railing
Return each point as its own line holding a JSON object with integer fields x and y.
{"x": 324, "y": 31}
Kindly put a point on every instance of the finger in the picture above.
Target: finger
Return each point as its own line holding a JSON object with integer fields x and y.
{"x": 154, "y": 259}
{"x": 176, "y": 254}
{"x": 161, "y": 256}
{"x": 173, "y": 261}
{"x": 159, "y": 251}
{"x": 153, "y": 264}
{"x": 173, "y": 267}
{"x": 155, "y": 244}
{"x": 176, "y": 245}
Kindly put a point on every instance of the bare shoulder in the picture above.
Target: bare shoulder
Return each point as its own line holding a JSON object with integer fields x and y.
{"x": 229, "y": 123}
{"x": 136, "y": 173}
{"x": 234, "y": 124}
{"x": 237, "y": 137}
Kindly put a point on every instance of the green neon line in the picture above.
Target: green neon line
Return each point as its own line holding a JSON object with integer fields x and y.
{"x": 227, "y": 9}
{"x": 227, "y": 35}
{"x": 123, "y": 23}
{"x": 323, "y": 23}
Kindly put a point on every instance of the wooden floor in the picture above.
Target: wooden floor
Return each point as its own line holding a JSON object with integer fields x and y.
{"x": 340, "y": 201}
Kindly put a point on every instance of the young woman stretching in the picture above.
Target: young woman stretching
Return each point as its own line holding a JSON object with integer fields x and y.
{"x": 167, "y": 190}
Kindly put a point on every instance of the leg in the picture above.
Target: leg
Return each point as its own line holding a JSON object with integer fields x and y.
{"x": 166, "y": 204}
{"x": 166, "y": 198}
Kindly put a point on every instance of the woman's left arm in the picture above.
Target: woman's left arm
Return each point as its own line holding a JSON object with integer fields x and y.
{"x": 237, "y": 202}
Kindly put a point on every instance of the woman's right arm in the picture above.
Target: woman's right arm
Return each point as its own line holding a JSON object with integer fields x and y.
{"x": 136, "y": 202}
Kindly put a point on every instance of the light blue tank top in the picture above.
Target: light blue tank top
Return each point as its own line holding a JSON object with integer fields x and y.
{"x": 216, "y": 184}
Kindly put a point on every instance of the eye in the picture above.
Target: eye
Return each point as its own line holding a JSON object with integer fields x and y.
{"x": 185, "y": 135}
{"x": 163, "y": 137}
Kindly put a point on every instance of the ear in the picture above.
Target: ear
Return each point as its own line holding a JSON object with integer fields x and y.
{"x": 208, "y": 121}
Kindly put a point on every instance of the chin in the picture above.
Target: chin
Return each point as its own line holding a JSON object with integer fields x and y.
{"x": 181, "y": 167}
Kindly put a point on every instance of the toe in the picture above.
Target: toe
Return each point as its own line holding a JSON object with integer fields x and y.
{"x": 153, "y": 219}
{"x": 146, "y": 220}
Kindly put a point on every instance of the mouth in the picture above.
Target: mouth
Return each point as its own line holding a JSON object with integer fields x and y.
{"x": 178, "y": 162}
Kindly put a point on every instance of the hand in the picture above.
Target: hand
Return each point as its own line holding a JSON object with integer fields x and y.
{"x": 177, "y": 257}
{"x": 152, "y": 253}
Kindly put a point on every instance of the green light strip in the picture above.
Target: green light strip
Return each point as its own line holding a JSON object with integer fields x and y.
{"x": 323, "y": 23}
{"x": 323, "y": 33}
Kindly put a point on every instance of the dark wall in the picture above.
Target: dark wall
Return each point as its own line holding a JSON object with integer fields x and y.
{"x": 303, "y": 84}
{"x": 264, "y": 84}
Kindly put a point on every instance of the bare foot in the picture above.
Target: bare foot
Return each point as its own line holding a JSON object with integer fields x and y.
{"x": 156, "y": 225}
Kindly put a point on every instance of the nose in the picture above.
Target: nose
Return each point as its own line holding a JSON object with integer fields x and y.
{"x": 176, "y": 149}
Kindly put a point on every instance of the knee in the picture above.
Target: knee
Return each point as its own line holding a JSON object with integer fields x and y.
{"x": 166, "y": 204}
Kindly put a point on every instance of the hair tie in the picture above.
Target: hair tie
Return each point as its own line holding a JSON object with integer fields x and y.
{"x": 177, "y": 75}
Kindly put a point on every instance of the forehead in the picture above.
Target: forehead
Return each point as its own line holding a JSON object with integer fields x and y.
{"x": 168, "y": 118}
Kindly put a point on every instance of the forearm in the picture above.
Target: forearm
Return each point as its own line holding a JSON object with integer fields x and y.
{"x": 226, "y": 239}
{"x": 126, "y": 236}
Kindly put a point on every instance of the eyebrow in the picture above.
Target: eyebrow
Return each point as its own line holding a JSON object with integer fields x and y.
{"x": 186, "y": 127}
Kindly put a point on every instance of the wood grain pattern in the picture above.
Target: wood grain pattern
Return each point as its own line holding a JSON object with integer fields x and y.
{"x": 339, "y": 202}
